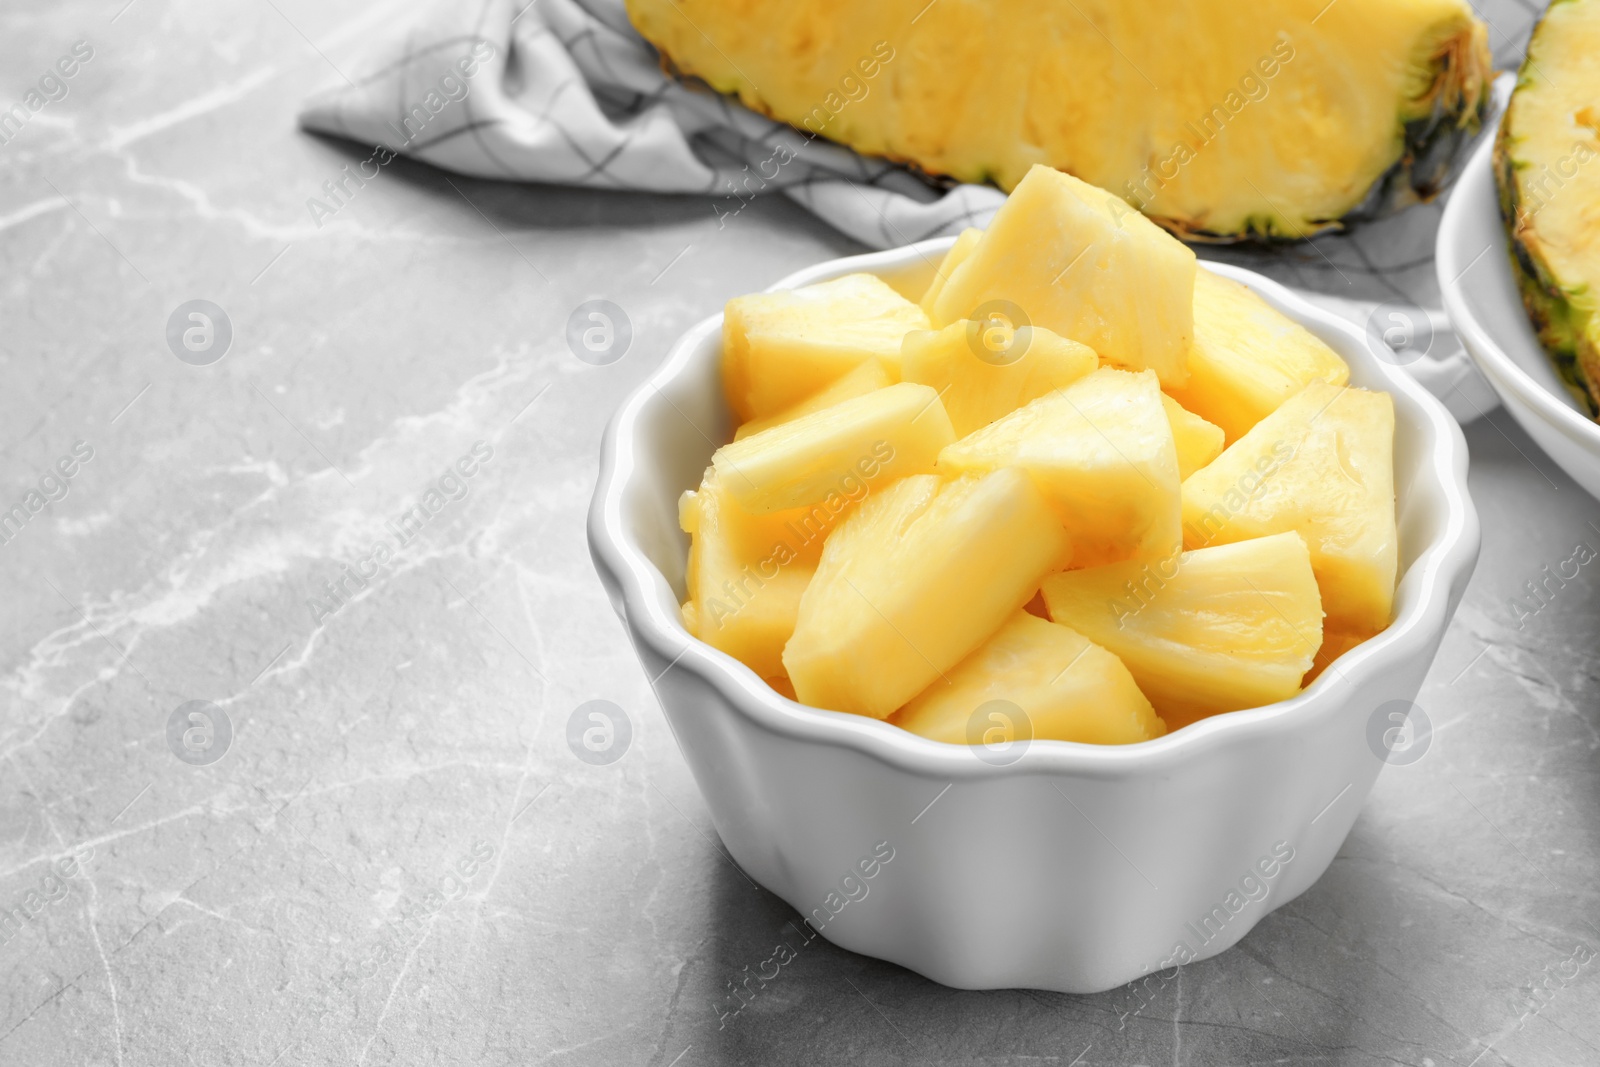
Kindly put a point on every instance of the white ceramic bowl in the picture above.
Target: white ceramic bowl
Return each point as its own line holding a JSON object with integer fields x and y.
{"x": 1480, "y": 296}
{"x": 1078, "y": 867}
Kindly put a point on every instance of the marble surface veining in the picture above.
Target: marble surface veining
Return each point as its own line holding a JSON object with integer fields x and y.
{"x": 377, "y": 846}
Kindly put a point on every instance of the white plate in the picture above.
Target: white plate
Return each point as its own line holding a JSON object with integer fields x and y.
{"x": 1481, "y": 298}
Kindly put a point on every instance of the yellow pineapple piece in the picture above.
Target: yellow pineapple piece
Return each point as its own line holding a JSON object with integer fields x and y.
{"x": 1069, "y": 688}
{"x": 746, "y": 575}
{"x": 1247, "y": 358}
{"x": 1198, "y": 441}
{"x": 1213, "y": 630}
{"x": 865, "y": 441}
{"x": 976, "y": 390}
{"x": 912, "y": 581}
{"x": 1077, "y": 260}
{"x": 952, "y": 259}
{"x": 1102, "y": 451}
{"x": 1322, "y": 465}
{"x": 1335, "y": 643}
{"x": 779, "y": 348}
{"x": 868, "y": 377}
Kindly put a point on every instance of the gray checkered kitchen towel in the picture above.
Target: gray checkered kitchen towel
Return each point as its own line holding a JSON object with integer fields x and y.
{"x": 566, "y": 92}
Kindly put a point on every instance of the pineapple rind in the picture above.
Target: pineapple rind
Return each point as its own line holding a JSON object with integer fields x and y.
{"x": 1556, "y": 285}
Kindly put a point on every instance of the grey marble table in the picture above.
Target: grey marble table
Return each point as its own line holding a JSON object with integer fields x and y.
{"x": 376, "y": 846}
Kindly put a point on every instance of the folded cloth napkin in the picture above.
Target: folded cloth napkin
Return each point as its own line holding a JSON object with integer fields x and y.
{"x": 566, "y": 92}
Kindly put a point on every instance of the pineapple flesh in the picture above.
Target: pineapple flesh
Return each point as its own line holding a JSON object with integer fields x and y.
{"x": 1335, "y": 643}
{"x": 1217, "y": 629}
{"x": 746, "y": 575}
{"x": 863, "y": 442}
{"x": 1102, "y": 451}
{"x": 1220, "y": 119}
{"x": 912, "y": 581}
{"x": 1077, "y": 479}
{"x": 1078, "y": 261}
{"x": 1198, "y": 441}
{"x": 964, "y": 244}
{"x": 868, "y": 377}
{"x": 780, "y": 348}
{"x": 1322, "y": 465}
{"x": 1247, "y": 358}
{"x": 1069, "y": 688}
{"x": 981, "y": 380}
{"x": 1550, "y": 192}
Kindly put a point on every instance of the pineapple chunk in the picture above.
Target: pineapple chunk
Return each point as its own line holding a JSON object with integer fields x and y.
{"x": 1102, "y": 451}
{"x": 978, "y": 391}
{"x": 1077, "y": 260}
{"x": 1247, "y": 358}
{"x": 952, "y": 259}
{"x": 839, "y": 451}
{"x": 1198, "y": 441}
{"x": 1323, "y": 466}
{"x": 869, "y": 377}
{"x": 916, "y": 578}
{"x": 1070, "y": 689}
{"x": 779, "y": 348}
{"x": 745, "y": 577}
{"x": 1217, "y": 629}
{"x": 753, "y": 620}
{"x": 1335, "y": 643}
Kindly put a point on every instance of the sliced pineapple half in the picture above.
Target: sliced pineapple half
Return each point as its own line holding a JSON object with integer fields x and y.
{"x": 844, "y": 450}
{"x": 980, "y": 379}
{"x": 1069, "y": 688}
{"x": 1198, "y": 441}
{"x": 1544, "y": 164}
{"x": 746, "y": 574}
{"x": 1223, "y": 119}
{"x": 1102, "y": 452}
{"x": 1077, "y": 260}
{"x": 779, "y": 348}
{"x": 1248, "y": 358}
{"x": 1217, "y": 629}
{"x": 1322, "y": 465}
{"x": 915, "y": 579}
{"x": 958, "y": 253}
{"x": 868, "y": 377}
